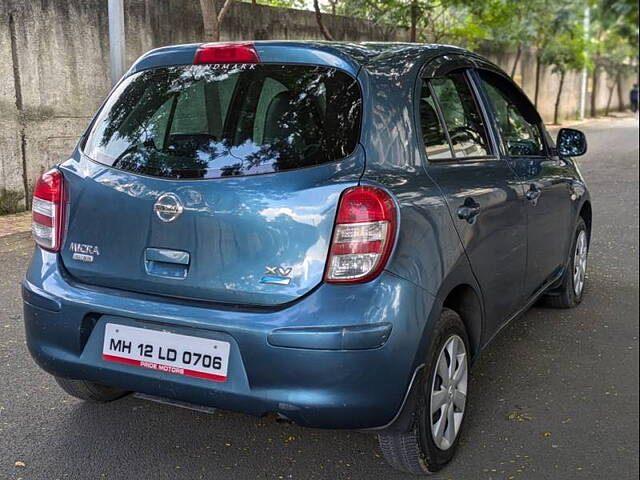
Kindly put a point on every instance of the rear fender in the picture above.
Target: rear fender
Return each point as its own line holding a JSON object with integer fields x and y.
{"x": 460, "y": 275}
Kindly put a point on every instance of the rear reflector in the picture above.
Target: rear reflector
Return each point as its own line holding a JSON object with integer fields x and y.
{"x": 47, "y": 207}
{"x": 226, "y": 53}
{"x": 363, "y": 235}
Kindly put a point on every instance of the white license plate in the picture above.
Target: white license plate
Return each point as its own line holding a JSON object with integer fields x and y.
{"x": 166, "y": 352}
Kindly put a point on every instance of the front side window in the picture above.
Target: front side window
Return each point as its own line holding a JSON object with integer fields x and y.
{"x": 515, "y": 116}
{"x": 208, "y": 121}
{"x": 462, "y": 116}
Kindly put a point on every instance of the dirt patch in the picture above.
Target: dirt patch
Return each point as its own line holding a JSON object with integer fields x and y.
{"x": 16, "y": 223}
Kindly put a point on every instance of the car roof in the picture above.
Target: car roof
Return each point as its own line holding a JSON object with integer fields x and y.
{"x": 350, "y": 56}
{"x": 369, "y": 53}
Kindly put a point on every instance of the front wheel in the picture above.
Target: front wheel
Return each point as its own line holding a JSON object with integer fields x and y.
{"x": 441, "y": 405}
{"x": 571, "y": 290}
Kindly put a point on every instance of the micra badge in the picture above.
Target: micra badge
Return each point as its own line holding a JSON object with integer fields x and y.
{"x": 276, "y": 275}
{"x": 83, "y": 252}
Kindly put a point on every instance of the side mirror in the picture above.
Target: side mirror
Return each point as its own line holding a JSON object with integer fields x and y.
{"x": 571, "y": 143}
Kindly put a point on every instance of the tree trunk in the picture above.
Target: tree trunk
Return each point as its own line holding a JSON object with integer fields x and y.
{"x": 210, "y": 21}
{"x": 608, "y": 107}
{"x": 516, "y": 61}
{"x": 556, "y": 110}
{"x": 594, "y": 91}
{"x": 414, "y": 21}
{"x": 622, "y": 105}
{"x": 538, "y": 68}
{"x": 325, "y": 32}
{"x": 223, "y": 13}
{"x": 595, "y": 75}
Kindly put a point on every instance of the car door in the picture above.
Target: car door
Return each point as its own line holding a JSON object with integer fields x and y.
{"x": 547, "y": 187}
{"x": 485, "y": 197}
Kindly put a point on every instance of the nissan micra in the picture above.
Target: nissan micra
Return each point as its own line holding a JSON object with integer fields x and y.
{"x": 327, "y": 232}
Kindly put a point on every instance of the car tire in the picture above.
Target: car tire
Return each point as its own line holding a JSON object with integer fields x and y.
{"x": 89, "y": 391}
{"x": 571, "y": 290}
{"x": 420, "y": 450}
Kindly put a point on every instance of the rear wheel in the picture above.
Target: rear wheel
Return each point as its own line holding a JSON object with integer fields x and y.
{"x": 85, "y": 390}
{"x": 431, "y": 442}
{"x": 570, "y": 292}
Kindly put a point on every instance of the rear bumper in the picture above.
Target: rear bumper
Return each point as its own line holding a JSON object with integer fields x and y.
{"x": 341, "y": 357}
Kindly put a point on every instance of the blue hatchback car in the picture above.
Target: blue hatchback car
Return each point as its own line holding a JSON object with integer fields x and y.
{"x": 328, "y": 232}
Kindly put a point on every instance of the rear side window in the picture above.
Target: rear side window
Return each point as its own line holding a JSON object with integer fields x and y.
{"x": 434, "y": 137}
{"x": 516, "y": 118}
{"x": 463, "y": 120}
{"x": 208, "y": 121}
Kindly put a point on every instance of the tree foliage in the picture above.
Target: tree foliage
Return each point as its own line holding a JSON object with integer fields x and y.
{"x": 613, "y": 42}
{"x": 553, "y": 28}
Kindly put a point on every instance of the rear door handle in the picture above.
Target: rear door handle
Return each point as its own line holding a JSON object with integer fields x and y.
{"x": 533, "y": 194}
{"x": 469, "y": 210}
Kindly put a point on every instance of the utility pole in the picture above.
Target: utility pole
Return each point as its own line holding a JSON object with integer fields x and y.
{"x": 116, "y": 39}
{"x": 585, "y": 75}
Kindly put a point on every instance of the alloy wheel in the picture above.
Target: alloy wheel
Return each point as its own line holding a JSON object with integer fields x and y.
{"x": 580, "y": 262}
{"x": 449, "y": 392}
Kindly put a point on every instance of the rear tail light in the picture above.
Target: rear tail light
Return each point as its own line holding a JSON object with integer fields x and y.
{"x": 363, "y": 235}
{"x": 47, "y": 210}
{"x": 226, "y": 53}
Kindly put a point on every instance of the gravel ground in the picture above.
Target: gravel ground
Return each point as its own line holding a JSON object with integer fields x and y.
{"x": 554, "y": 397}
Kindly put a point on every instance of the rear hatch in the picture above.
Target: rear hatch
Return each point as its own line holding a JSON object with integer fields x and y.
{"x": 214, "y": 182}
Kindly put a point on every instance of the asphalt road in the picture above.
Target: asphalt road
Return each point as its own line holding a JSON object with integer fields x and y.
{"x": 555, "y": 396}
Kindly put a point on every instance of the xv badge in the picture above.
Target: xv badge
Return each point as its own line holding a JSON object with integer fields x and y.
{"x": 276, "y": 275}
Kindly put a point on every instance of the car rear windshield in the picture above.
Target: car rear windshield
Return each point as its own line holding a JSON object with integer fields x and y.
{"x": 208, "y": 121}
